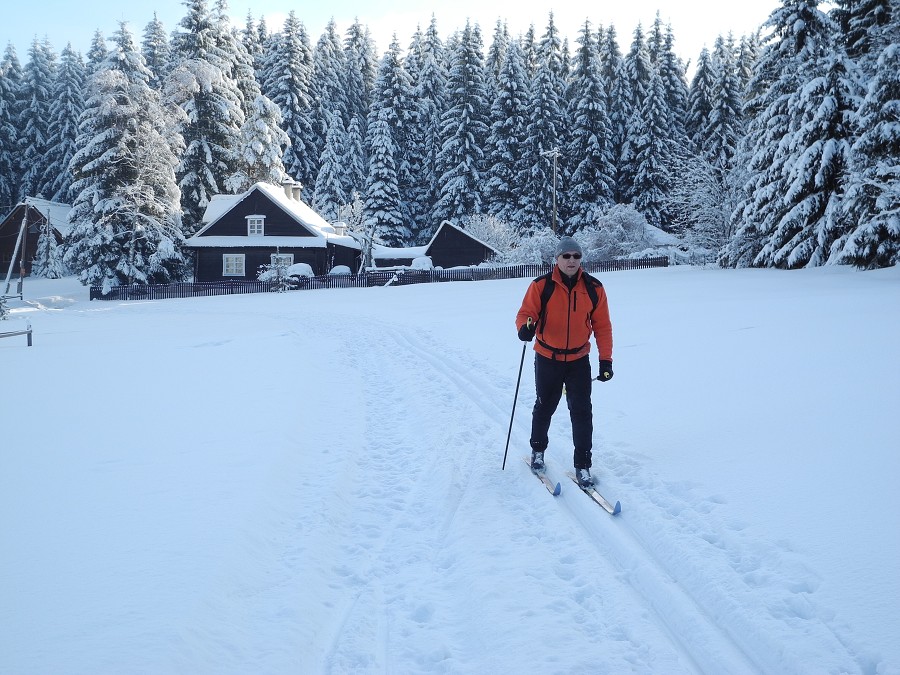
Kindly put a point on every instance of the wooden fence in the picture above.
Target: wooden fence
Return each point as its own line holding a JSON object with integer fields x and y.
{"x": 376, "y": 277}
{"x": 13, "y": 333}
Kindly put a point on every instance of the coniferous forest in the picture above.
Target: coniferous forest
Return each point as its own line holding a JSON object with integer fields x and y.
{"x": 782, "y": 150}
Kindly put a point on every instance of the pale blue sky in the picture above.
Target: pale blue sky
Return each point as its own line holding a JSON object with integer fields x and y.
{"x": 695, "y": 22}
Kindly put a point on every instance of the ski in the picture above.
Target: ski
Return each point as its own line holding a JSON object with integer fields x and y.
{"x": 553, "y": 488}
{"x": 597, "y": 497}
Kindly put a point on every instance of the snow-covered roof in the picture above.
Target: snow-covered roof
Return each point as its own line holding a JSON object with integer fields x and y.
{"x": 56, "y": 214}
{"x": 381, "y": 252}
{"x": 299, "y": 210}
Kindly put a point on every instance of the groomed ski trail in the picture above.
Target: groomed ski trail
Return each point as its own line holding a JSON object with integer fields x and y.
{"x": 698, "y": 637}
{"x": 423, "y": 487}
{"x": 715, "y": 629}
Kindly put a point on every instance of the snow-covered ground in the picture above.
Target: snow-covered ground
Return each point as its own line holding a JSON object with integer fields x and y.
{"x": 310, "y": 482}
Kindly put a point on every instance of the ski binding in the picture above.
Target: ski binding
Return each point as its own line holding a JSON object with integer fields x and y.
{"x": 591, "y": 492}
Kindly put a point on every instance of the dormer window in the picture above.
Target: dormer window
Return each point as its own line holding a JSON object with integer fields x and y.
{"x": 256, "y": 226}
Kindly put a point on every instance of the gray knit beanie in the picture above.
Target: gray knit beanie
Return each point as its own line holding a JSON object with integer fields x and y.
{"x": 567, "y": 245}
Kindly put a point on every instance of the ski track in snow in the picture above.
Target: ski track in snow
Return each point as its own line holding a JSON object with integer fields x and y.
{"x": 423, "y": 490}
{"x": 421, "y": 483}
{"x": 713, "y": 630}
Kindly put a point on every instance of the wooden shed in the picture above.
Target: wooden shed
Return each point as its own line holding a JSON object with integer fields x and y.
{"x": 36, "y": 214}
{"x": 451, "y": 246}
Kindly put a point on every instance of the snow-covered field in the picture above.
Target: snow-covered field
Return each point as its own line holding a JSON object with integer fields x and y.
{"x": 310, "y": 482}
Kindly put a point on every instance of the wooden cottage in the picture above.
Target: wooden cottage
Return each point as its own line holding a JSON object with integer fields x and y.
{"x": 36, "y": 214}
{"x": 243, "y": 232}
{"x": 451, "y": 246}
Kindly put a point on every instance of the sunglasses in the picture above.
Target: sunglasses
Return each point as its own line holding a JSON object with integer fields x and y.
{"x": 577, "y": 256}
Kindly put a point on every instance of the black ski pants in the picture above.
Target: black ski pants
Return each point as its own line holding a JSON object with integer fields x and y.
{"x": 549, "y": 377}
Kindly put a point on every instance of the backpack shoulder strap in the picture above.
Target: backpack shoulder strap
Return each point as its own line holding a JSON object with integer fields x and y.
{"x": 592, "y": 284}
{"x": 546, "y": 292}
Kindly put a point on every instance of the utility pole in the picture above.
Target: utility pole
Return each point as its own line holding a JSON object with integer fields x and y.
{"x": 553, "y": 153}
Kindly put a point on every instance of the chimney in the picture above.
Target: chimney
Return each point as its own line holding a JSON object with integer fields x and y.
{"x": 286, "y": 186}
{"x": 296, "y": 189}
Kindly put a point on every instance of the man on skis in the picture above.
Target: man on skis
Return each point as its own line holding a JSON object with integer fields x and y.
{"x": 562, "y": 309}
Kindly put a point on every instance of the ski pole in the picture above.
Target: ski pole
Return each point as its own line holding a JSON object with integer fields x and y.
{"x": 515, "y": 398}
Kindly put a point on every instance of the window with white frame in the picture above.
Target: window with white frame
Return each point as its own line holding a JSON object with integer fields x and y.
{"x": 286, "y": 259}
{"x": 256, "y": 226}
{"x": 233, "y": 265}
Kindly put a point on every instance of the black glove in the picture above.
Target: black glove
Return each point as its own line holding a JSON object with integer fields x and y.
{"x": 606, "y": 372}
{"x": 526, "y": 332}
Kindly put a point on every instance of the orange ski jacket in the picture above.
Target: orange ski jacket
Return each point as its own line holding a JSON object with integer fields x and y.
{"x": 570, "y": 318}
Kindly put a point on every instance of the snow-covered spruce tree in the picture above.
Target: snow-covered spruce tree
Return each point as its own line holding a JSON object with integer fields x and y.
{"x": 262, "y": 140}
{"x": 545, "y": 135}
{"x": 353, "y": 174}
{"x": 637, "y": 71}
{"x": 612, "y": 72}
{"x": 460, "y": 161}
{"x": 157, "y": 52}
{"x": 551, "y": 52}
{"x": 382, "y": 196}
{"x": 867, "y": 28}
{"x": 799, "y": 34}
{"x": 700, "y": 99}
{"x": 542, "y": 139}
{"x": 653, "y": 156}
{"x": 96, "y": 54}
{"x": 67, "y": 102}
{"x": 723, "y": 128}
{"x": 10, "y": 77}
{"x": 289, "y": 74}
{"x": 591, "y": 185}
{"x": 673, "y": 73}
{"x": 125, "y": 219}
{"x": 430, "y": 94}
{"x": 330, "y": 195}
{"x": 362, "y": 68}
{"x": 47, "y": 262}
{"x": 704, "y": 192}
{"x": 39, "y": 75}
{"x": 509, "y": 118}
{"x": 242, "y": 70}
{"x": 416, "y": 192}
{"x": 820, "y": 151}
{"x": 393, "y": 101}
{"x": 748, "y": 54}
{"x": 261, "y": 147}
{"x": 496, "y": 55}
{"x": 263, "y": 36}
{"x": 253, "y": 43}
{"x": 328, "y": 84}
{"x": 530, "y": 57}
{"x": 872, "y": 199}
{"x": 212, "y": 103}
